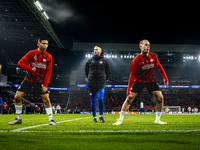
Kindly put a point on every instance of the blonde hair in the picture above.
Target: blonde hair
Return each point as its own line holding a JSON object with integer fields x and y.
{"x": 141, "y": 42}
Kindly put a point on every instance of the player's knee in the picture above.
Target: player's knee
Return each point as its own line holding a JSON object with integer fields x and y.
{"x": 17, "y": 99}
{"x": 160, "y": 99}
{"x": 93, "y": 103}
{"x": 47, "y": 104}
{"x": 129, "y": 99}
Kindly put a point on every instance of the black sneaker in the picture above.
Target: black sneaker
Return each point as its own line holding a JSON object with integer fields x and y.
{"x": 16, "y": 121}
{"x": 101, "y": 119}
{"x": 95, "y": 120}
{"x": 52, "y": 122}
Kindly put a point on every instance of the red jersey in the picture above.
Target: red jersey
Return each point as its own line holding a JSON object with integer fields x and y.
{"x": 43, "y": 62}
{"x": 142, "y": 70}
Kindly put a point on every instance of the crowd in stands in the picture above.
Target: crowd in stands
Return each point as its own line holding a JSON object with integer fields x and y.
{"x": 34, "y": 105}
{"x": 115, "y": 101}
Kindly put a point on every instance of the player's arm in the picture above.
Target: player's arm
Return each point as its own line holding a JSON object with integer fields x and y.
{"x": 87, "y": 69}
{"x": 23, "y": 60}
{"x": 132, "y": 77}
{"x": 48, "y": 72}
{"x": 107, "y": 70}
{"x": 162, "y": 71}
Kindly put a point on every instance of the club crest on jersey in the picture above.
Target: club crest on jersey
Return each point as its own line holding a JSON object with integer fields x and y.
{"x": 101, "y": 62}
{"x": 151, "y": 60}
{"x": 35, "y": 57}
{"x": 44, "y": 59}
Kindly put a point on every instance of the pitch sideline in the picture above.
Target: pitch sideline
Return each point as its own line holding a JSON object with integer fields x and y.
{"x": 30, "y": 127}
{"x": 101, "y": 131}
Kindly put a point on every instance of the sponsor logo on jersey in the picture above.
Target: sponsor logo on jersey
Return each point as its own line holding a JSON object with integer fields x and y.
{"x": 148, "y": 66}
{"x": 101, "y": 62}
{"x": 151, "y": 60}
{"x": 39, "y": 65}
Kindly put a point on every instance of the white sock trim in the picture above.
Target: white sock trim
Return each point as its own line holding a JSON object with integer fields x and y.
{"x": 18, "y": 111}
{"x": 49, "y": 113}
{"x": 158, "y": 115}
{"x": 122, "y": 115}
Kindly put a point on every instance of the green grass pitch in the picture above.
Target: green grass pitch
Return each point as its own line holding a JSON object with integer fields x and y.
{"x": 76, "y": 131}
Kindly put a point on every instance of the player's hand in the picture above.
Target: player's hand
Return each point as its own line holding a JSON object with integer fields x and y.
{"x": 34, "y": 69}
{"x": 44, "y": 89}
{"x": 166, "y": 83}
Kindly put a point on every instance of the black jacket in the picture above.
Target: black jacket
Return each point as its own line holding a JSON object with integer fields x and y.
{"x": 97, "y": 71}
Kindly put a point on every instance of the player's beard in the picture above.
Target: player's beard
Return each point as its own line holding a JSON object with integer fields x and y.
{"x": 43, "y": 49}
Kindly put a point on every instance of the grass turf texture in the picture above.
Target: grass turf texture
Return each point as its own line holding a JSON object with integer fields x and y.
{"x": 63, "y": 137}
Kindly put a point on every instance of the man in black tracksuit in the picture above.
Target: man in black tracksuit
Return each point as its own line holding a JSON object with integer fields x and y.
{"x": 97, "y": 71}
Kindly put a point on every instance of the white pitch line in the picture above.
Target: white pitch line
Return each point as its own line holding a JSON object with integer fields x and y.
{"x": 20, "y": 129}
{"x": 105, "y": 131}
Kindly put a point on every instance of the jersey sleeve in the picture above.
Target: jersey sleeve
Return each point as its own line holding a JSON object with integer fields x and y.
{"x": 160, "y": 69}
{"x": 48, "y": 72}
{"x": 23, "y": 60}
{"x": 133, "y": 69}
{"x": 107, "y": 70}
{"x": 130, "y": 82}
{"x": 87, "y": 68}
{"x": 132, "y": 77}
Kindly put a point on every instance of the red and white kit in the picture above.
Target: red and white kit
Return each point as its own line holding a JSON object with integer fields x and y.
{"x": 142, "y": 70}
{"x": 43, "y": 62}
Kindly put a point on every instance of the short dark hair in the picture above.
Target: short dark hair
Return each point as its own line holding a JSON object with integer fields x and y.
{"x": 99, "y": 47}
{"x": 42, "y": 38}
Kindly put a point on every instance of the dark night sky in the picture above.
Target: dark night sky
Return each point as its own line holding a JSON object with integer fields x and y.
{"x": 124, "y": 21}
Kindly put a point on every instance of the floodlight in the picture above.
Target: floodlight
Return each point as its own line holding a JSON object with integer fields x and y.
{"x": 38, "y": 5}
{"x": 45, "y": 15}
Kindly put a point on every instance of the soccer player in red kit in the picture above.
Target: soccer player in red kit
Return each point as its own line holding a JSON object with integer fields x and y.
{"x": 37, "y": 76}
{"x": 142, "y": 75}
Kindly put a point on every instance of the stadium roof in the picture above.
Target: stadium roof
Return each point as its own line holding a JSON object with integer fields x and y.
{"x": 21, "y": 21}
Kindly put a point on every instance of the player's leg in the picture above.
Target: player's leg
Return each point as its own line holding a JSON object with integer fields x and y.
{"x": 18, "y": 108}
{"x": 159, "y": 106}
{"x": 125, "y": 107}
{"x": 93, "y": 105}
{"x": 46, "y": 100}
{"x": 143, "y": 110}
{"x": 25, "y": 87}
{"x": 101, "y": 103}
{"x": 18, "y": 103}
{"x": 127, "y": 104}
